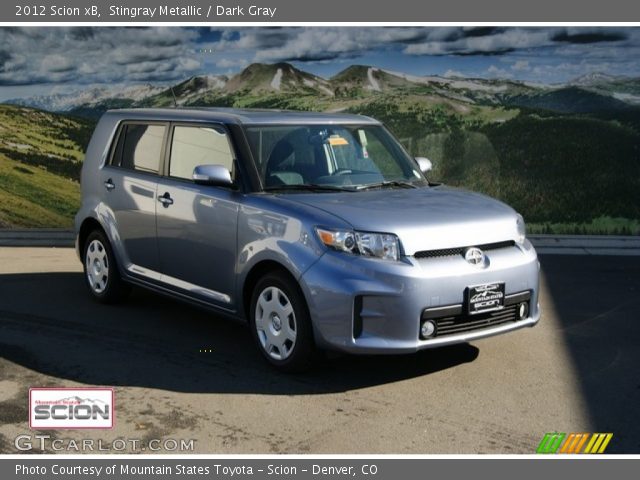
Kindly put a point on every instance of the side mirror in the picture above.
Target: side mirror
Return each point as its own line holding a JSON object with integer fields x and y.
{"x": 215, "y": 175}
{"x": 424, "y": 164}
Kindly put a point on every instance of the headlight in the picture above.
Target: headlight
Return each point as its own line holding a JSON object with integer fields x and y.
{"x": 368, "y": 244}
{"x": 522, "y": 230}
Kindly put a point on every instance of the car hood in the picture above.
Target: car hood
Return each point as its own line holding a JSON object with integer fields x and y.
{"x": 429, "y": 218}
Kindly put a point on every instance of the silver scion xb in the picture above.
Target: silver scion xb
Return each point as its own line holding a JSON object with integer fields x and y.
{"x": 318, "y": 229}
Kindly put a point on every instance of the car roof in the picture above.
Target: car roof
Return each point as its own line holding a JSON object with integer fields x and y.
{"x": 239, "y": 116}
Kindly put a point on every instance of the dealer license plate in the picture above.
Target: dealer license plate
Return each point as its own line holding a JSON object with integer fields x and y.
{"x": 485, "y": 298}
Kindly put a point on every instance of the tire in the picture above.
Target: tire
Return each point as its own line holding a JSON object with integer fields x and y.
{"x": 101, "y": 270}
{"x": 280, "y": 323}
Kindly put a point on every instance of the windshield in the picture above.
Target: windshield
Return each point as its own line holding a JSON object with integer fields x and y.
{"x": 342, "y": 156}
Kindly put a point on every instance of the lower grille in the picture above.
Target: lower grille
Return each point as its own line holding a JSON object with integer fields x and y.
{"x": 469, "y": 323}
{"x": 452, "y": 320}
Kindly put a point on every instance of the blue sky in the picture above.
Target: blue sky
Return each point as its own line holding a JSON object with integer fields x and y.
{"x": 40, "y": 61}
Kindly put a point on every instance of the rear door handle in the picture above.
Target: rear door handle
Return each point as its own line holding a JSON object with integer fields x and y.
{"x": 165, "y": 199}
{"x": 109, "y": 185}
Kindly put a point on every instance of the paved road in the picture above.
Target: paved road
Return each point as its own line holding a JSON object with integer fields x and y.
{"x": 577, "y": 371}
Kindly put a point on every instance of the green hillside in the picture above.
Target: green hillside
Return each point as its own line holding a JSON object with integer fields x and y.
{"x": 569, "y": 100}
{"x": 40, "y": 160}
{"x": 568, "y": 168}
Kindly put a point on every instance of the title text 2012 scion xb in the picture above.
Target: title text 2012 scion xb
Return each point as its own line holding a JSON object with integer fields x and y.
{"x": 319, "y": 229}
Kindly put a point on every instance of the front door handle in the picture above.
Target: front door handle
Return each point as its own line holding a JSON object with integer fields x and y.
{"x": 165, "y": 199}
{"x": 109, "y": 185}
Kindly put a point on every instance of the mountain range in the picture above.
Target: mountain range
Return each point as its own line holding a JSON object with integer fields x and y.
{"x": 355, "y": 84}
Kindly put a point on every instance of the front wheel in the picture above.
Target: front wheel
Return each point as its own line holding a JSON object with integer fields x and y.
{"x": 101, "y": 271}
{"x": 280, "y": 323}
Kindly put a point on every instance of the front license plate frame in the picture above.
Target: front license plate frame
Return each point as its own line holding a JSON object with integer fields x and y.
{"x": 487, "y": 297}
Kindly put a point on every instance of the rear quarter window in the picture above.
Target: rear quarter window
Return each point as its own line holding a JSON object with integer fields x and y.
{"x": 139, "y": 147}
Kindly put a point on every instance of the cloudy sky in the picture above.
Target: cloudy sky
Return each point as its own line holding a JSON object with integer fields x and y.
{"x": 36, "y": 60}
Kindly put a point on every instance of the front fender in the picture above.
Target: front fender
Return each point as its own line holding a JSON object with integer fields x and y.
{"x": 276, "y": 230}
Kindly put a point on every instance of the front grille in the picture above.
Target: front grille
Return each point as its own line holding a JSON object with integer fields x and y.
{"x": 449, "y": 252}
{"x": 452, "y": 319}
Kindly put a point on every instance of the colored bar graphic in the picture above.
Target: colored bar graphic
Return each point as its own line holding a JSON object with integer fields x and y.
{"x": 571, "y": 444}
{"x": 585, "y": 436}
{"x": 550, "y": 442}
{"x": 598, "y": 443}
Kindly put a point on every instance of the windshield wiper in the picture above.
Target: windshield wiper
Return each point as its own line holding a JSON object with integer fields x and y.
{"x": 388, "y": 183}
{"x": 312, "y": 187}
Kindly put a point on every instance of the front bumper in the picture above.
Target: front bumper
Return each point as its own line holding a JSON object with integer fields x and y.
{"x": 364, "y": 305}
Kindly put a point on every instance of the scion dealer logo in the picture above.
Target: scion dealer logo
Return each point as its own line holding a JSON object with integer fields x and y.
{"x": 70, "y": 408}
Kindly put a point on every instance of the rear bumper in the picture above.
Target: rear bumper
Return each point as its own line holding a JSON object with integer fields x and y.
{"x": 361, "y": 305}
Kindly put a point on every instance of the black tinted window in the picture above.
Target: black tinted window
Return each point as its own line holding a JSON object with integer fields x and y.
{"x": 140, "y": 147}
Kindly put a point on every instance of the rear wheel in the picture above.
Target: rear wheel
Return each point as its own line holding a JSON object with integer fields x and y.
{"x": 280, "y": 323}
{"x": 101, "y": 271}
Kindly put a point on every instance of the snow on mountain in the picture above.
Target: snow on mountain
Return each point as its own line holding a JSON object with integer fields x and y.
{"x": 594, "y": 78}
{"x": 216, "y": 81}
{"x": 373, "y": 83}
{"x": 627, "y": 97}
{"x": 277, "y": 78}
{"x": 197, "y": 86}
{"x": 415, "y": 78}
{"x": 63, "y": 102}
{"x": 453, "y": 82}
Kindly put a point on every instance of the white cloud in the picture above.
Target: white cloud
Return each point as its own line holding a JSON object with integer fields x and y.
{"x": 501, "y": 41}
{"x": 89, "y": 55}
{"x": 56, "y": 64}
{"x": 229, "y": 63}
{"x": 453, "y": 73}
{"x": 521, "y": 66}
{"x": 316, "y": 44}
{"x": 188, "y": 64}
{"x": 497, "y": 72}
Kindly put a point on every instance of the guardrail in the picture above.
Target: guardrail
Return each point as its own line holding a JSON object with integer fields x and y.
{"x": 586, "y": 244}
{"x": 545, "y": 244}
{"x": 37, "y": 237}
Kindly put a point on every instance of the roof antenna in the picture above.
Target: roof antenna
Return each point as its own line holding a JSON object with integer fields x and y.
{"x": 175, "y": 102}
